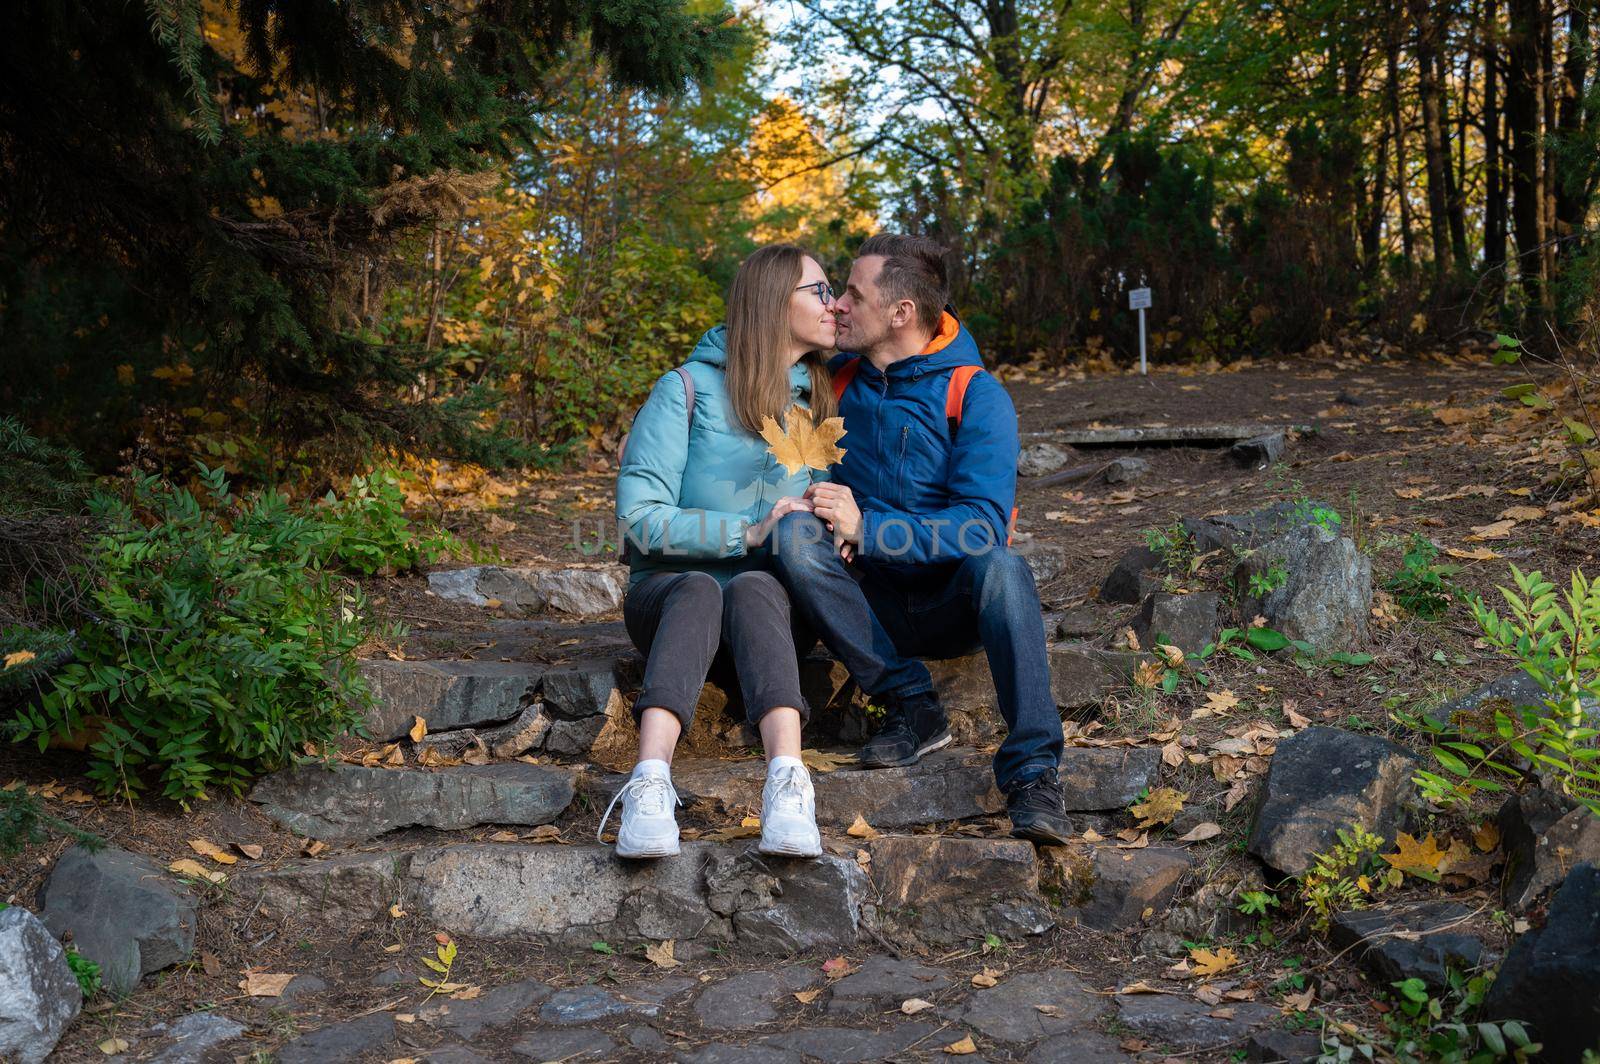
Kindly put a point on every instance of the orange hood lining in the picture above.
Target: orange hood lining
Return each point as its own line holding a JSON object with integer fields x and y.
{"x": 948, "y": 330}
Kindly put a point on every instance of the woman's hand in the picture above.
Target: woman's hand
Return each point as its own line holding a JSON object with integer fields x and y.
{"x": 757, "y": 534}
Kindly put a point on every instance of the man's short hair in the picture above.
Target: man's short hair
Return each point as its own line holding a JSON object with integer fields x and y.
{"x": 914, "y": 269}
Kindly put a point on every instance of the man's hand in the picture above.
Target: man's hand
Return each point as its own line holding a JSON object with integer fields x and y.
{"x": 755, "y": 535}
{"x": 837, "y": 506}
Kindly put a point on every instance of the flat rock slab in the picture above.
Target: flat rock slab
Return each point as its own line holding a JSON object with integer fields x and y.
{"x": 884, "y": 983}
{"x": 577, "y": 894}
{"x": 751, "y": 1000}
{"x": 342, "y": 802}
{"x": 844, "y": 1045}
{"x": 946, "y": 889}
{"x": 1123, "y": 888}
{"x": 1010, "y": 1012}
{"x": 340, "y": 1042}
{"x": 39, "y": 995}
{"x": 1325, "y": 779}
{"x": 576, "y": 1044}
{"x": 1099, "y": 779}
{"x": 1077, "y": 1047}
{"x": 1199, "y": 435}
{"x": 1421, "y": 940}
{"x": 446, "y": 694}
{"x": 1192, "y": 1025}
{"x": 497, "y": 1008}
{"x": 528, "y": 590}
{"x": 947, "y": 785}
{"x": 193, "y": 1036}
{"x": 123, "y": 911}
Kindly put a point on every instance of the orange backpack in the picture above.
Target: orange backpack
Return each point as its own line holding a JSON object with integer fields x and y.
{"x": 955, "y": 398}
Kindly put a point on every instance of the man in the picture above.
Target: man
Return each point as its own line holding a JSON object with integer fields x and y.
{"x": 906, "y": 555}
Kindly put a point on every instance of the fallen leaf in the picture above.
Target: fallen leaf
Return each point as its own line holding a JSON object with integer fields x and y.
{"x": 113, "y": 1046}
{"x": 1141, "y": 987}
{"x": 188, "y": 866}
{"x": 1295, "y": 717}
{"x": 802, "y": 443}
{"x": 419, "y": 728}
{"x": 1220, "y": 702}
{"x": 1408, "y": 493}
{"x": 1048, "y": 1010}
{"x": 806, "y": 997}
{"x": 504, "y": 836}
{"x": 1201, "y": 832}
{"x": 962, "y": 1048}
{"x": 986, "y": 978}
{"x": 313, "y": 847}
{"x": 1172, "y": 755}
{"x": 660, "y": 954}
{"x": 860, "y": 829}
{"x": 1416, "y": 857}
{"x": 1476, "y": 554}
{"x": 1149, "y": 674}
{"x": 1209, "y": 994}
{"x": 912, "y": 1006}
{"x": 1497, "y": 530}
{"x": 394, "y": 948}
{"x": 1159, "y": 807}
{"x": 467, "y": 993}
{"x": 207, "y": 848}
{"x": 1302, "y": 1001}
{"x": 210, "y": 964}
{"x": 1138, "y": 842}
{"x": 1091, "y": 835}
{"x": 1486, "y": 837}
{"x": 250, "y": 850}
{"x": 21, "y": 657}
{"x": 825, "y": 760}
{"x": 264, "y": 984}
{"x": 1208, "y": 963}
{"x": 836, "y": 967}
{"x": 1522, "y": 513}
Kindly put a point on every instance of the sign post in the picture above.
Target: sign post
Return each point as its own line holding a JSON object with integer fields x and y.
{"x": 1139, "y": 299}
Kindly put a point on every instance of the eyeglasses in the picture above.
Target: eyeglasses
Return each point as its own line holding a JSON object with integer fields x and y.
{"x": 823, "y": 290}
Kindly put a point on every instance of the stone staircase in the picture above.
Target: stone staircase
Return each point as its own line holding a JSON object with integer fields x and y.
{"x": 528, "y": 727}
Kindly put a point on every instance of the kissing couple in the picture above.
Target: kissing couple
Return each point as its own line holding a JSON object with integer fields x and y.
{"x": 895, "y": 553}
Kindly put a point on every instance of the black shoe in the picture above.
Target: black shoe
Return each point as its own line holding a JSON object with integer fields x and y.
{"x": 1038, "y": 810}
{"x": 916, "y": 726}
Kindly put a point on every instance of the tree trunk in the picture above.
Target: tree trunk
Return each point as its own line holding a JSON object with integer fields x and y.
{"x": 1547, "y": 67}
{"x": 1372, "y": 206}
{"x": 1392, "y": 83}
{"x": 1494, "y": 204}
{"x": 1433, "y": 149}
{"x": 1455, "y": 171}
{"x": 1571, "y": 202}
{"x": 1523, "y": 113}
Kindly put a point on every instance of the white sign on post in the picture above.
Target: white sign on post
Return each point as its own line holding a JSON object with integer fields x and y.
{"x": 1139, "y": 299}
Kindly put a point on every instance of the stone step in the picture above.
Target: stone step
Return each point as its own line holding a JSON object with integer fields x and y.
{"x": 342, "y": 802}
{"x": 928, "y": 888}
{"x": 528, "y": 589}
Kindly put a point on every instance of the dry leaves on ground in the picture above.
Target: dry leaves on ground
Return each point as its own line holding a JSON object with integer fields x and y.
{"x": 264, "y": 984}
{"x": 860, "y": 829}
{"x": 1159, "y": 807}
{"x": 207, "y": 848}
{"x": 660, "y": 954}
{"x": 962, "y": 1048}
{"x": 986, "y": 978}
{"x": 1212, "y": 962}
{"x": 1417, "y": 857}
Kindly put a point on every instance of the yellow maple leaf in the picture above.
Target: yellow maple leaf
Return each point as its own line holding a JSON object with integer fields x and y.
{"x": 19, "y": 657}
{"x": 1417, "y": 857}
{"x": 1159, "y": 807}
{"x": 1208, "y": 963}
{"x": 805, "y": 444}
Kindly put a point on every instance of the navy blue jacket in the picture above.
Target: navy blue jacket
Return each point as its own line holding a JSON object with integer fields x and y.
{"x": 925, "y": 498}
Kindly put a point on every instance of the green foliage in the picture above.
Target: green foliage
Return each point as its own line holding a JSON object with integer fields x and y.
{"x": 1175, "y": 545}
{"x": 86, "y": 971}
{"x": 1421, "y": 585}
{"x": 1423, "y": 1029}
{"x": 371, "y": 533}
{"x": 1556, "y": 641}
{"x": 49, "y": 647}
{"x": 1346, "y": 876}
{"x": 218, "y": 646}
{"x": 23, "y": 822}
{"x": 1264, "y": 584}
{"x": 36, "y": 474}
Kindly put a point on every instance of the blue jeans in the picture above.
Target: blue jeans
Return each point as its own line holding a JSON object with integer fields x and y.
{"x": 878, "y": 623}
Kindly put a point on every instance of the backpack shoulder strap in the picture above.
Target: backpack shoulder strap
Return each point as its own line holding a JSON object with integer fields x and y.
{"x": 688, "y": 392}
{"x": 844, "y": 375}
{"x": 955, "y": 395}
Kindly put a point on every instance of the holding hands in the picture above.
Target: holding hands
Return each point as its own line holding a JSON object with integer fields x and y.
{"x": 755, "y": 535}
{"x": 835, "y": 505}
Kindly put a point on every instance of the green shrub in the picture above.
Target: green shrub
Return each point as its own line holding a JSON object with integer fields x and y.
{"x": 86, "y": 971}
{"x": 1556, "y": 643}
{"x": 219, "y": 645}
{"x": 1420, "y": 585}
{"x": 24, "y": 822}
{"x": 371, "y": 533}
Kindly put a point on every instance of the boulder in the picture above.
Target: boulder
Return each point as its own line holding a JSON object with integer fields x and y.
{"x": 1187, "y": 622}
{"x": 1543, "y": 834}
{"x": 785, "y": 904}
{"x": 1324, "y": 779}
{"x": 1047, "y": 561}
{"x": 1081, "y": 675}
{"x": 583, "y": 704}
{"x": 1259, "y": 452}
{"x": 1136, "y": 574}
{"x": 1011, "y": 1011}
{"x": 951, "y": 784}
{"x": 945, "y": 889}
{"x": 123, "y": 912}
{"x": 1080, "y": 623}
{"x": 1249, "y": 530}
{"x": 1041, "y": 459}
{"x": 1115, "y": 889}
{"x": 1551, "y": 977}
{"x": 1321, "y": 588}
{"x": 1126, "y": 470}
{"x": 1104, "y": 778}
{"x": 1175, "y": 1021}
{"x": 445, "y": 694}
{"x": 39, "y": 995}
{"x": 527, "y": 590}
{"x": 341, "y": 802}
{"x": 1410, "y": 941}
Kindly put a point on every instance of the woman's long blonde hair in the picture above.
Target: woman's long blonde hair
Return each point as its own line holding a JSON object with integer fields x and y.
{"x": 758, "y": 332}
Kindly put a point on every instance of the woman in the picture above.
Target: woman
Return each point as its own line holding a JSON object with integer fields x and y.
{"x": 698, "y": 497}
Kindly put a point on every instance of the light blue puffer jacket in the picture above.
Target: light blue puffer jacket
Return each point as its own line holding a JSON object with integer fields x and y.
{"x": 685, "y": 495}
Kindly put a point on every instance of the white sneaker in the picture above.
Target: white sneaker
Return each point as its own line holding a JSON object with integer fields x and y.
{"x": 649, "y": 827}
{"x": 789, "y": 813}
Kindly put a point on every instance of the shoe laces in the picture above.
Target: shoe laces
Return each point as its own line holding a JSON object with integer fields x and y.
{"x": 651, "y": 794}
{"x": 786, "y": 789}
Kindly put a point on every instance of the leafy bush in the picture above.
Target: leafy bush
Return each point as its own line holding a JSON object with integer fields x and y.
{"x": 219, "y": 646}
{"x": 1558, "y": 645}
{"x": 1346, "y": 876}
{"x": 86, "y": 971}
{"x": 1420, "y": 585}
{"x": 24, "y": 822}
{"x": 371, "y": 533}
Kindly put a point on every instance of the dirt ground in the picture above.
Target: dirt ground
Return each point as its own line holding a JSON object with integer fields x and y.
{"x": 1368, "y": 440}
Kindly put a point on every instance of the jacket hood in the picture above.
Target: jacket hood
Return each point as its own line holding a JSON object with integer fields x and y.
{"x": 713, "y": 350}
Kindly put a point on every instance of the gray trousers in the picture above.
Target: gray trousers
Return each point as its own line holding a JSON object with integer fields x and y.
{"x": 688, "y": 627}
